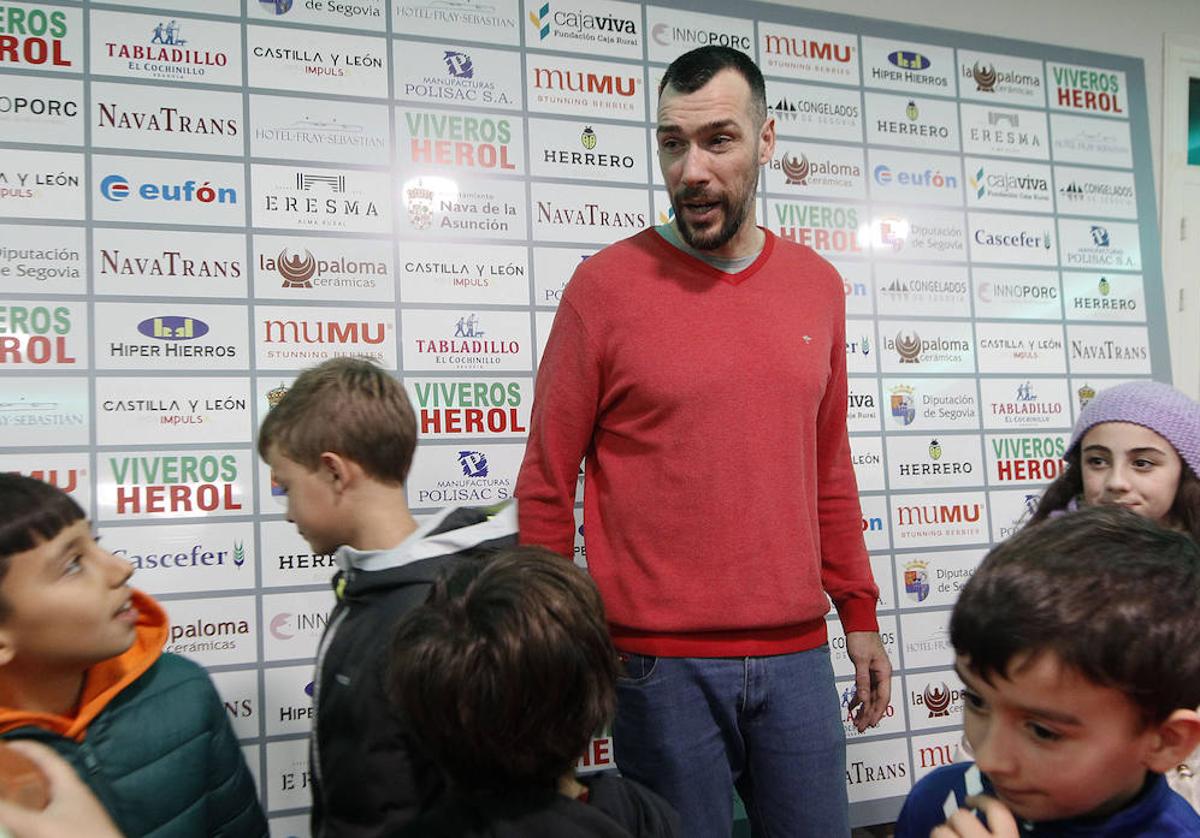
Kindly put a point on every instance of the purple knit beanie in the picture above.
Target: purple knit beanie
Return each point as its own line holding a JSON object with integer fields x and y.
{"x": 1151, "y": 404}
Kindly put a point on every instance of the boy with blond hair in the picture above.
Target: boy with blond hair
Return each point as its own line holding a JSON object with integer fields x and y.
{"x": 340, "y": 444}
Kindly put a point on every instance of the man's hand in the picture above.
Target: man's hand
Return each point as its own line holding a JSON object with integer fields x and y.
{"x": 73, "y": 809}
{"x": 872, "y": 678}
{"x": 964, "y": 824}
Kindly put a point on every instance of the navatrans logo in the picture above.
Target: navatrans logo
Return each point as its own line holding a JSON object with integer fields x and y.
{"x": 116, "y": 188}
{"x": 582, "y": 26}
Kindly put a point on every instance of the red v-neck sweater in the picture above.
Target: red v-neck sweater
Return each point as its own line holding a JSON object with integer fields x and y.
{"x": 719, "y": 496}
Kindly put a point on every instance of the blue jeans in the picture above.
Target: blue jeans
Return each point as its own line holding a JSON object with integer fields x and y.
{"x": 693, "y": 728}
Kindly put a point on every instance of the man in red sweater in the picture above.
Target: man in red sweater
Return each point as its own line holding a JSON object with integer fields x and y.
{"x": 701, "y": 369}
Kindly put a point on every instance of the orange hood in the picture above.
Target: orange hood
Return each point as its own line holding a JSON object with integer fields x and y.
{"x": 105, "y": 680}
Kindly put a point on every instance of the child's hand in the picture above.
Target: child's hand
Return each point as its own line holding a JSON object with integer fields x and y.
{"x": 73, "y": 809}
{"x": 964, "y": 824}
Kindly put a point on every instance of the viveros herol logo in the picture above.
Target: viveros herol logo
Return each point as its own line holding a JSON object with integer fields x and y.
{"x": 117, "y": 188}
{"x": 173, "y": 327}
{"x": 541, "y": 21}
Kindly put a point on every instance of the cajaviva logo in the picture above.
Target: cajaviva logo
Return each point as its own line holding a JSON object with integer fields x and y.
{"x": 117, "y": 188}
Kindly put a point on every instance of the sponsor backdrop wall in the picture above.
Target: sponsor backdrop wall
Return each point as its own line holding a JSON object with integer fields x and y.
{"x": 198, "y": 200}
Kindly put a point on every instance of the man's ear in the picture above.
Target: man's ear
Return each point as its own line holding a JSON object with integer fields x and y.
{"x": 766, "y": 141}
{"x": 340, "y": 472}
{"x": 8, "y": 646}
{"x": 1174, "y": 741}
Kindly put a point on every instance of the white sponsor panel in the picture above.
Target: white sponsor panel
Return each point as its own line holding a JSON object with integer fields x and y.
{"x": 213, "y": 632}
{"x": 935, "y": 699}
{"x": 1108, "y": 350}
{"x": 924, "y": 462}
{"x": 603, "y": 27}
{"x": 806, "y": 54}
{"x": 286, "y": 558}
{"x": 1008, "y": 185}
{"x": 475, "y": 474}
{"x": 228, "y": 8}
{"x": 438, "y": 207}
{"x": 866, "y": 455}
{"x": 316, "y": 62}
{"x": 553, "y": 267}
{"x": 1086, "y": 89}
{"x": 161, "y": 263}
{"x": 494, "y": 22}
{"x": 926, "y": 639}
{"x": 295, "y": 337}
{"x": 922, "y": 290}
{"x": 913, "y": 68}
{"x": 162, "y": 47}
{"x": 170, "y": 335}
{"x": 670, "y": 34}
{"x": 160, "y": 191}
{"x": 450, "y": 408}
{"x": 566, "y": 213}
{"x": 334, "y": 270}
{"x": 843, "y": 667}
{"x": 892, "y": 720}
{"x": 994, "y": 78}
{"x": 862, "y": 350}
{"x": 1092, "y": 142}
{"x": 1012, "y": 239}
{"x": 934, "y": 751}
{"x": 584, "y": 150}
{"x": 288, "y": 783}
{"x": 321, "y": 129}
{"x": 293, "y": 623}
{"x": 911, "y": 121}
{"x": 856, "y": 281}
{"x": 359, "y": 14}
{"x": 1011, "y": 510}
{"x": 44, "y": 411}
{"x": 172, "y": 411}
{"x": 296, "y": 826}
{"x": 915, "y": 178}
{"x": 817, "y": 171}
{"x": 1103, "y": 296}
{"x": 862, "y": 408}
{"x": 464, "y": 340}
{"x": 583, "y": 87}
{"x": 457, "y": 75}
{"x": 191, "y": 559}
{"x": 41, "y": 184}
{"x": 308, "y": 198}
{"x": 469, "y": 143}
{"x": 934, "y": 579}
{"x": 42, "y": 110}
{"x": 1032, "y": 458}
{"x": 238, "y": 690}
{"x": 151, "y": 484}
{"x": 918, "y": 234}
{"x": 1017, "y": 403}
{"x": 169, "y": 119}
{"x": 939, "y": 520}
{"x": 542, "y": 321}
{"x": 881, "y": 571}
{"x": 1025, "y": 293}
{"x": 1005, "y": 132}
{"x": 877, "y": 770}
{"x": 289, "y": 706}
{"x": 69, "y": 472}
{"x": 875, "y": 522}
{"x": 42, "y": 260}
{"x": 1100, "y": 245}
{"x": 38, "y": 336}
{"x": 470, "y": 273}
{"x": 929, "y": 404}
{"x": 44, "y": 38}
{"x": 809, "y": 110}
{"x": 1031, "y": 347}
{"x": 1095, "y": 192}
{"x": 919, "y": 347}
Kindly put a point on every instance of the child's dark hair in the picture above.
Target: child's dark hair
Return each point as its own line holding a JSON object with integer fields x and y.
{"x": 31, "y": 512}
{"x": 1184, "y": 512}
{"x": 693, "y": 70}
{"x": 349, "y": 406}
{"x": 1113, "y": 595}
{"x": 507, "y": 671}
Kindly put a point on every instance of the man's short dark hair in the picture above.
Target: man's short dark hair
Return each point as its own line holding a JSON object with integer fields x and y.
{"x": 31, "y": 512}
{"x": 507, "y": 671}
{"x": 1113, "y": 595}
{"x": 692, "y": 70}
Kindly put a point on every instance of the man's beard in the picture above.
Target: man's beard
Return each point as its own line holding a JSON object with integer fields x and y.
{"x": 733, "y": 215}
